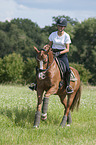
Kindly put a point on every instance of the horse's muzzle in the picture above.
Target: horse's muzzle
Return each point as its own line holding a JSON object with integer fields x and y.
{"x": 41, "y": 75}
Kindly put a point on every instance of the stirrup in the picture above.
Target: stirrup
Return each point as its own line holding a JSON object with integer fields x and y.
{"x": 70, "y": 91}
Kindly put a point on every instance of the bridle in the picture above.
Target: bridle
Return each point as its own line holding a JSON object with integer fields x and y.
{"x": 42, "y": 72}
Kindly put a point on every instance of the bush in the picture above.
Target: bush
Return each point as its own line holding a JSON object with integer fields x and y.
{"x": 29, "y": 73}
{"x": 11, "y": 68}
{"x": 85, "y": 74}
{"x": 1, "y": 70}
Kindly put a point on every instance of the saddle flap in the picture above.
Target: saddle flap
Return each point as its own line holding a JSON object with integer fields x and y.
{"x": 62, "y": 69}
{"x": 61, "y": 66}
{"x": 72, "y": 76}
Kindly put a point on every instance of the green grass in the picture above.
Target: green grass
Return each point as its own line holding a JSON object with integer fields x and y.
{"x": 17, "y": 111}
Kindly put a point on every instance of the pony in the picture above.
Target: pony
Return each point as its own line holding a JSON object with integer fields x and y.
{"x": 48, "y": 78}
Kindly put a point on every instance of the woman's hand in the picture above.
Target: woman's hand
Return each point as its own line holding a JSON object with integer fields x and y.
{"x": 56, "y": 53}
{"x": 65, "y": 50}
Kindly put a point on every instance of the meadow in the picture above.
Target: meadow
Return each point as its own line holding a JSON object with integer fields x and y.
{"x": 17, "y": 111}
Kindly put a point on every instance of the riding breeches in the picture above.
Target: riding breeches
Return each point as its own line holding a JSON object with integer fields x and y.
{"x": 64, "y": 58}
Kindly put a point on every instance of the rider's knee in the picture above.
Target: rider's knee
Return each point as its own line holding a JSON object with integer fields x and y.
{"x": 68, "y": 71}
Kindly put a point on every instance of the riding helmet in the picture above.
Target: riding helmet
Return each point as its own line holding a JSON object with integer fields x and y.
{"x": 62, "y": 22}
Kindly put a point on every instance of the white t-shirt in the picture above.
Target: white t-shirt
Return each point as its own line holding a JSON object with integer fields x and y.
{"x": 59, "y": 42}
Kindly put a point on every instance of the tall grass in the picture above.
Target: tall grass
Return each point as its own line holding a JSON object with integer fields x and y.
{"x": 17, "y": 111}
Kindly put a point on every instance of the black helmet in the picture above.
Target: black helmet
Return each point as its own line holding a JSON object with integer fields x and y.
{"x": 62, "y": 22}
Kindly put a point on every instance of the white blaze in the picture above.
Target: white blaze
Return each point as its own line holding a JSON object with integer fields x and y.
{"x": 41, "y": 64}
{"x": 41, "y": 75}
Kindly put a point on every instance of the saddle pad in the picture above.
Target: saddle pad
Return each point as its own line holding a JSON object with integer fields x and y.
{"x": 61, "y": 66}
{"x": 72, "y": 76}
{"x": 62, "y": 69}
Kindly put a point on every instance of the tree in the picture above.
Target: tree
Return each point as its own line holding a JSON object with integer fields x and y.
{"x": 85, "y": 42}
{"x": 11, "y": 68}
{"x": 4, "y": 43}
{"x": 29, "y": 73}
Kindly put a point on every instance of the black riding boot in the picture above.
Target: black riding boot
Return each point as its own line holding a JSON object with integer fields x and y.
{"x": 69, "y": 89}
{"x": 33, "y": 87}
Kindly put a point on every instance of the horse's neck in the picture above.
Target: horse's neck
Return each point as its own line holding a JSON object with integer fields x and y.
{"x": 52, "y": 63}
{"x": 51, "y": 58}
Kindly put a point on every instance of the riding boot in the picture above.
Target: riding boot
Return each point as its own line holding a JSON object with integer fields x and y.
{"x": 69, "y": 89}
{"x": 33, "y": 87}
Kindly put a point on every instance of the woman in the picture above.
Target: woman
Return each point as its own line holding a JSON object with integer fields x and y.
{"x": 59, "y": 42}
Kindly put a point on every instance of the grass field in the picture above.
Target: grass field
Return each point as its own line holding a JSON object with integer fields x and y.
{"x": 17, "y": 111}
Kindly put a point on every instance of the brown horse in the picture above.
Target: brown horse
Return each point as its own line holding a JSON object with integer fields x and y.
{"x": 48, "y": 78}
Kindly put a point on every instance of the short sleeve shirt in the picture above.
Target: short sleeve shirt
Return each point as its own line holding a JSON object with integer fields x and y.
{"x": 59, "y": 42}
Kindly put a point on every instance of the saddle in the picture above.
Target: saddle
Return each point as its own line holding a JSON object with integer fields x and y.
{"x": 62, "y": 68}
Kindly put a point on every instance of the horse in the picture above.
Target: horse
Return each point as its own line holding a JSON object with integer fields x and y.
{"x": 48, "y": 78}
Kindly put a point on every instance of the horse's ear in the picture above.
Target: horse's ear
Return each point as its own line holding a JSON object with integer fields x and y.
{"x": 36, "y": 49}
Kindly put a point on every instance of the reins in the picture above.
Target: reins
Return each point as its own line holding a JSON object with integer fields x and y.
{"x": 48, "y": 66}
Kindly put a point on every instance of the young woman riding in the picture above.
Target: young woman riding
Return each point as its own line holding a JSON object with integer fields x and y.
{"x": 59, "y": 41}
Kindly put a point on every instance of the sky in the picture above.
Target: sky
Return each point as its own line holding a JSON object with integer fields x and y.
{"x": 42, "y": 11}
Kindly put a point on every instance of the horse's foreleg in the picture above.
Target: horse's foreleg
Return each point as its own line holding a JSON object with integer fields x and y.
{"x": 37, "y": 119}
{"x": 44, "y": 108}
{"x": 51, "y": 91}
{"x": 38, "y": 112}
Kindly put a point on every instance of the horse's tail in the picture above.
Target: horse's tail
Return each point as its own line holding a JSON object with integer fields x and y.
{"x": 76, "y": 101}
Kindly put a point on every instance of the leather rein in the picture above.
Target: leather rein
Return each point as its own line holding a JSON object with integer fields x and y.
{"x": 48, "y": 66}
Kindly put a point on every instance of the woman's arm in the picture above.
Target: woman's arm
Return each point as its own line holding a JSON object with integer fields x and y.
{"x": 65, "y": 50}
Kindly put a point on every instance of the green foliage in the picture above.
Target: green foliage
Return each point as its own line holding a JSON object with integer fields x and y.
{"x": 32, "y": 30}
{"x": 1, "y": 70}
{"x": 15, "y": 70}
{"x": 85, "y": 74}
{"x": 85, "y": 41}
{"x": 20, "y": 35}
{"x": 4, "y": 44}
{"x": 29, "y": 73}
{"x": 11, "y": 68}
